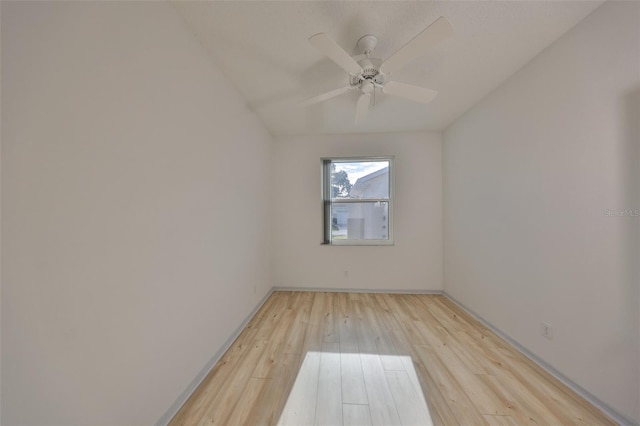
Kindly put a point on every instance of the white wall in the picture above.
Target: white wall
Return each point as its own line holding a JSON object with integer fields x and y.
{"x": 528, "y": 176}
{"x": 413, "y": 263}
{"x": 136, "y": 211}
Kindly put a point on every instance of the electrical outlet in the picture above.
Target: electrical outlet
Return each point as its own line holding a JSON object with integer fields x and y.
{"x": 346, "y": 274}
{"x": 546, "y": 330}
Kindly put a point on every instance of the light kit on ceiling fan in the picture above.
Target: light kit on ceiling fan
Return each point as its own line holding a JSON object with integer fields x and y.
{"x": 369, "y": 73}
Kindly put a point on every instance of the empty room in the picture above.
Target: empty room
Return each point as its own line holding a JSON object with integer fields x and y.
{"x": 320, "y": 213}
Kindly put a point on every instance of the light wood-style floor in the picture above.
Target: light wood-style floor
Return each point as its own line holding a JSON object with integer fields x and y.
{"x": 377, "y": 359}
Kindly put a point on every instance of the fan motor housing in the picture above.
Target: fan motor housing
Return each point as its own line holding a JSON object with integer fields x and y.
{"x": 370, "y": 71}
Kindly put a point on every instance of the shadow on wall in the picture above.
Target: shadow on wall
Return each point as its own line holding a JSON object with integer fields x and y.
{"x": 630, "y": 168}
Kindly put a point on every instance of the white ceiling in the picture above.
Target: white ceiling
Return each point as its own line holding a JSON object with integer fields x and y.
{"x": 262, "y": 47}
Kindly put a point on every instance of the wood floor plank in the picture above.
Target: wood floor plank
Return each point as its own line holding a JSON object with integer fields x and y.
{"x": 387, "y": 319}
{"x": 267, "y": 362}
{"x": 269, "y": 324}
{"x": 500, "y": 420}
{"x": 284, "y": 333}
{"x": 320, "y": 308}
{"x": 346, "y": 325}
{"x": 464, "y": 322}
{"x": 352, "y": 379}
{"x": 459, "y": 340}
{"x": 331, "y": 320}
{"x": 366, "y": 331}
{"x": 300, "y": 408}
{"x": 389, "y": 356}
{"x": 270, "y": 403}
{"x": 524, "y": 406}
{"x": 559, "y": 400}
{"x": 360, "y": 358}
{"x": 411, "y": 406}
{"x": 294, "y": 340}
{"x": 412, "y": 374}
{"x": 453, "y": 334}
{"x": 253, "y": 395}
{"x": 301, "y": 300}
{"x": 472, "y": 354}
{"x": 313, "y": 339}
{"x": 406, "y": 319}
{"x": 195, "y": 407}
{"x": 267, "y": 306}
{"x": 440, "y": 409}
{"x": 463, "y": 408}
{"x": 329, "y": 399}
{"x": 221, "y": 408}
{"x": 478, "y": 392}
{"x": 356, "y": 415}
{"x": 381, "y": 404}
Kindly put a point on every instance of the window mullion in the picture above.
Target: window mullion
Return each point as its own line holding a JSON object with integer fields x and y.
{"x": 359, "y": 200}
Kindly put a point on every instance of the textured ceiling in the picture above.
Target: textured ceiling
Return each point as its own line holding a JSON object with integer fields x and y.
{"x": 262, "y": 47}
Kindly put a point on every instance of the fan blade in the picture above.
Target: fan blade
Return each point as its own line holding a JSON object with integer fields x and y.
{"x": 324, "y": 44}
{"x": 362, "y": 107}
{"x": 325, "y": 96}
{"x": 429, "y": 37}
{"x": 408, "y": 91}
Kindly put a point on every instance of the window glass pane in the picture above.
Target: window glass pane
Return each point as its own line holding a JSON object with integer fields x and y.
{"x": 360, "y": 179}
{"x": 360, "y": 221}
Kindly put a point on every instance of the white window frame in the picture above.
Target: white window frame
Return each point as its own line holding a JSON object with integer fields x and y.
{"x": 327, "y": 202}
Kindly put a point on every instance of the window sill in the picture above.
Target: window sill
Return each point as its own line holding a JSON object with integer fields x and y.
{"x": 360, "y": 243}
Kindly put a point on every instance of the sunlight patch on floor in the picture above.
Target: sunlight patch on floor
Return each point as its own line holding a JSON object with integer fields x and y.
{"x": 335, "y": 388}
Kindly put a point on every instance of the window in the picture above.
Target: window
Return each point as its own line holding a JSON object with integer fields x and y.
{"x": 357, "y": 198}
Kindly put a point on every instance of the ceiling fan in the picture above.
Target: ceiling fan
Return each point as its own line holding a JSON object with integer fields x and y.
{"x": 368, "y": 73}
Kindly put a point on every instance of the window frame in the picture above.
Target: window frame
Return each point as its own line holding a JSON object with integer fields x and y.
{"x": 327, "y": 202}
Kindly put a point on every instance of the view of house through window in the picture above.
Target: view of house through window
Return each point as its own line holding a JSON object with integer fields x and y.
{"x": 357, "y": 200}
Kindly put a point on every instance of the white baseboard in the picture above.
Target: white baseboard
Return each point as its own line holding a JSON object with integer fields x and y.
{"x": 357, "y": 290}
{"x": 605, "y": 408}
{"x": 184, "y": 396}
